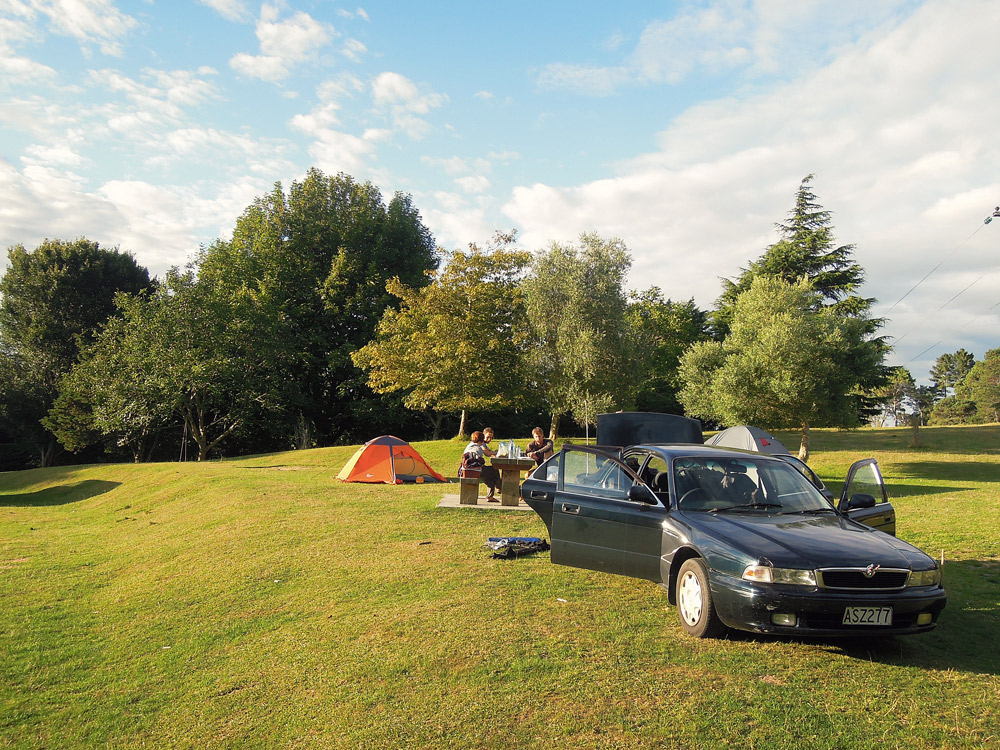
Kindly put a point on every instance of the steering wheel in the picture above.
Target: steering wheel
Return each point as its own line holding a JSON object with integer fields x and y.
{"x": 692, "y": 492}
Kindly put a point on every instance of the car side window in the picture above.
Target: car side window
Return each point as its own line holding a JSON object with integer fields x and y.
{"x": 589, "y": 474}
{"x": 656, "y": 475}
{"x": 549, "y": 471}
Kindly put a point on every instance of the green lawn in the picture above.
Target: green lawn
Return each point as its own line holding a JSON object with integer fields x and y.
{"x": 260, "y": 603}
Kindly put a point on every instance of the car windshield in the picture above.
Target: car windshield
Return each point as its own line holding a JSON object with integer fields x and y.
{"x": 744, "y": 484}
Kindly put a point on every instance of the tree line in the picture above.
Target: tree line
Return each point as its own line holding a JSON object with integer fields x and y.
{"x": 962, "y": 391}
{"x": 331, "y": 316}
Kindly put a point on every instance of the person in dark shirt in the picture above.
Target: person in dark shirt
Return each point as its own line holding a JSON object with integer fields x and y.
{"x": 541, "y": 447}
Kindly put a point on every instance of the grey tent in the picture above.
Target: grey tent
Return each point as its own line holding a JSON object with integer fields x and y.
{"x": 748, "y": 438}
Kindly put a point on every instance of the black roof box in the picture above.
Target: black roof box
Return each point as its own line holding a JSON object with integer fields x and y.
{"x": 633, "y": 427}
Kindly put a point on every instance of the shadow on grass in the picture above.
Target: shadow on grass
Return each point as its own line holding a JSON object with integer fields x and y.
{"x": 59, "y": 495}
{"x": 960, "y": 471}
{"x": 965, "y": 638}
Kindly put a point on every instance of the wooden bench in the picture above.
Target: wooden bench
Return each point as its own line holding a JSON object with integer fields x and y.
{"x": 469, "y": 492}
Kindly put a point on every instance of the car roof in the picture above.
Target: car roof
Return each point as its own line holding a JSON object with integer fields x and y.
{"x": 672, "y": 450}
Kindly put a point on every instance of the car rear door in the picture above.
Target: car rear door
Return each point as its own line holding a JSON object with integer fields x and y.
{"x": 865, "y": 478}
{"x": 591, "y": 509}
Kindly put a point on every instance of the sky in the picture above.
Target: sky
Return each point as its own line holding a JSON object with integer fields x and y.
{"x": 683, "y": 128}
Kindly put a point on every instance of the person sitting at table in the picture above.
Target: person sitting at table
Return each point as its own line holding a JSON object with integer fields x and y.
{"x": 541, "y": 447}
{"x": 479, "y": 451}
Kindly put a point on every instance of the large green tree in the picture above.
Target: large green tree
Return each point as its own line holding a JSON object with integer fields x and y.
{"x": 54, "y": 300}
{"x": 982, "y": 387}
{"x": 456, "y": 344}
{"x": 894, "y": 396}
{"x": 949, "y": 370}
{"x": 783, "y": 364}
{"x": 662, "y": 330}
{"x": 315, "y": 261}
{"x": 184, "y": 354}
{"x": 806, "y": 247}
{"x": 581, "y": 357}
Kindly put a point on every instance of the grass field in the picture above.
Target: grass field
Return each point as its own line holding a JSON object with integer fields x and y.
{"x": 260, "y": 603}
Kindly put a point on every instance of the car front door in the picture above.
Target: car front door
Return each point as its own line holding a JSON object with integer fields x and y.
{"x": 644, "y": 536}
{"x": 864, "y": 498}
{"x": 590, "y": 513}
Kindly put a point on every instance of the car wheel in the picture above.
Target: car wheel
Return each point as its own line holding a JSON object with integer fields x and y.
{"x": 694, "y": 601}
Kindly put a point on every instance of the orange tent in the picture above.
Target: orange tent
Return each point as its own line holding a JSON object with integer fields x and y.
{"x": 389, "y": 460}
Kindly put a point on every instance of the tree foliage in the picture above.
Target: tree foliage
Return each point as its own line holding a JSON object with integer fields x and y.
{"x": 54, "y": 300}
{"x": 181, "y": 354}
{"x": 949, "y": 370}
{"x": 315, "y": 261}
{"x": 805, "y": 248}
{"x": 458, "y": 343}
{"x": 784, "y": 363}
{"x": 580, "y": 359}
{"x": 893, "y": 396}
{"x": 981, "y": 386}
{"x": 662, "y": 330}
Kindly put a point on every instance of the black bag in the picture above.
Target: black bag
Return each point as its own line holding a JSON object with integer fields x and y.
{"x": 471, "y": 462}
{"x": 509, "y": 548}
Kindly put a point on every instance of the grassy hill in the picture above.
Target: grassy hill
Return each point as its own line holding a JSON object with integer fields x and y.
{"x": 260, "y": 603}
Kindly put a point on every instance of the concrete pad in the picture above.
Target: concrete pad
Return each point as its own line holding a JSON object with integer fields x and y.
{"x": 451, "y": 501}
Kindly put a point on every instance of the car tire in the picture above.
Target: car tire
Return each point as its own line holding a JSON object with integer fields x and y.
{"x": 695, "y": 607}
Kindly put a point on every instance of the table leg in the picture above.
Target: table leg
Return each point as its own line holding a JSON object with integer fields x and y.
{"x": 510, "y": 486}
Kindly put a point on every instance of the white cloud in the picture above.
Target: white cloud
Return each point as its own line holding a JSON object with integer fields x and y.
{"x": 233, "y": 10}
{"x": 753, "y": 39}
{"x": 158, "y": 102}
{"x": 473, "y": 184}
{"x": 162, "y": 224}
{"x": 900, "y": 138}
{"x": 402, "y": 100}
{"x": 90, "y": 22}
{"x": 353, "y": 50}
{"x": 359, "y": 13}
{"x": 283, "y": 44}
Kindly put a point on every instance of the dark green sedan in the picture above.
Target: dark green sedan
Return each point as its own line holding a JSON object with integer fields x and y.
{"x": 738, "y": 539}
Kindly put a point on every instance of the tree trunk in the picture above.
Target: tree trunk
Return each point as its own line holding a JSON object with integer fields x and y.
{"x": 804, "y": 445}
{"x": 554, "y": 428}
{"x": 303, "y": 433}
{"x": 49, "y": 452}
{"x": 437, "y": 419}
{"x": 461, "y": 426}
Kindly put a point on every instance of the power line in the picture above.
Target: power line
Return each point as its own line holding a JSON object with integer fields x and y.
{"x": 969, "y": 323}
{"x": 987, "y": 220}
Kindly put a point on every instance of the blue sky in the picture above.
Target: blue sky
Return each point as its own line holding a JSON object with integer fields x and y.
{"x": 683, "y": 128}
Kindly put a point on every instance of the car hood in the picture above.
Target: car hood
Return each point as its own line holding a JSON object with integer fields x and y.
{"x": 809, "y": 542}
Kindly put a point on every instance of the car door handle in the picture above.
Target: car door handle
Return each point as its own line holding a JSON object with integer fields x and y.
{"x": 567, "y": 508}
{"x": 538, "y": 495}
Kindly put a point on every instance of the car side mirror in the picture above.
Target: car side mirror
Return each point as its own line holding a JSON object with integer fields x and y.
{"x": 861, "y": 500}
{"x": 639, "y": 493}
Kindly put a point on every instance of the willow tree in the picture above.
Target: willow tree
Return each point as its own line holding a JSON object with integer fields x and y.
{"x": 456, "y": 344}
{"x": 580, "y": 359}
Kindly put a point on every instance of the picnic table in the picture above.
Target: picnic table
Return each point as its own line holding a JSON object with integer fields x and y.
{"x": 510, "y": 477}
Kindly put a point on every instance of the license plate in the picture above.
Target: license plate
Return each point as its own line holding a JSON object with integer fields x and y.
{"x": 868, "y": 616}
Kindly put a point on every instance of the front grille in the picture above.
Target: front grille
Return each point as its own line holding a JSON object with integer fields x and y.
{"x": 888, "y": 579}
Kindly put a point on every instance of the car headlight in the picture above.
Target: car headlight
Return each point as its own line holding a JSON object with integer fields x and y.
{"x": 930, "y": 577}
{"x": 767, "y": 574}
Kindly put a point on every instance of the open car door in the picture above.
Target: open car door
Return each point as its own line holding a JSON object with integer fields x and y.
{"x": 864, "y": 498}
{"x": 591, "y": 509}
